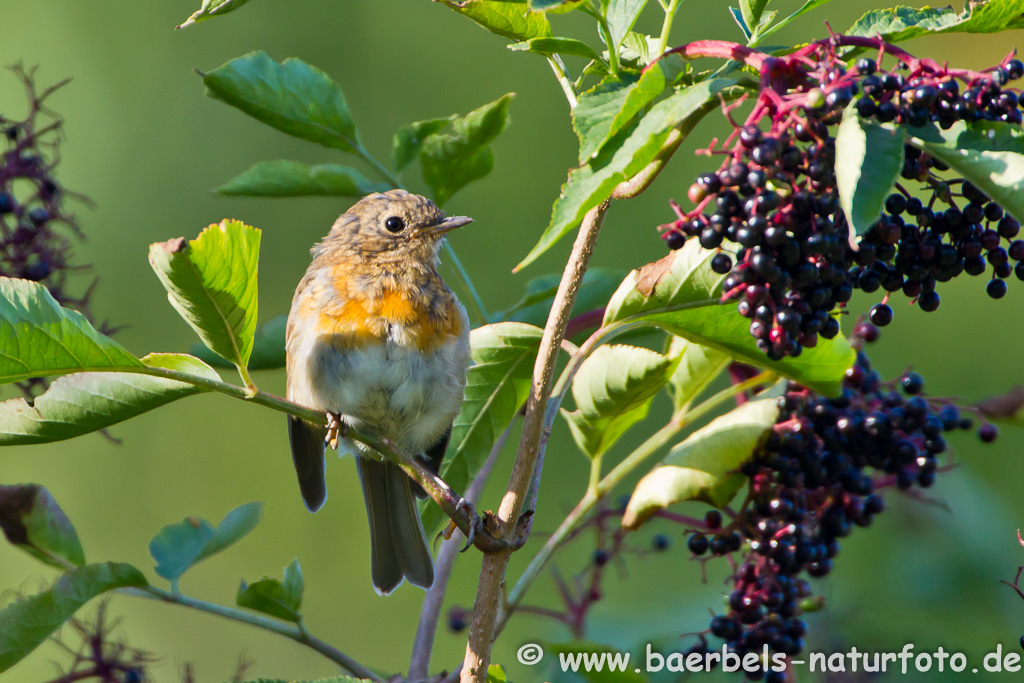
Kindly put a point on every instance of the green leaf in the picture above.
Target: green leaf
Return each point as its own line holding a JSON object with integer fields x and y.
{"x": 561, "y": 46}
{"x": 211, "y": 282}
{"x": 697, "y": 367}
{"x": 452, "y": 160}
{"x": 869, "y": 158}
{"x": 267, "y": 347}
{"x": 613, "y": 390}
{"x": 87, "y": 402}
{"x": 283, "y": 178}
{"x": 212, "y": 8}
{"x": 597, "y": 287}
{"x": 595, "y": 674}
{"x": 990, "y": 155}
{"x": 682, "y": 295}
{"x": 408, "y": 141}
{"x": 752, "y": 11}
{"x": 31, "y": 520}
{"x": 704, "y": 466}
{"x": 497, "y": 385}
{"x": 27, "y": 623}
{"x": 806, "y": 7}
{"x": 510, "y": 19}
{"x": 40, "y": 338}
{"x": 903, "y": 23}
{"x": 621, "y": 15}
{"x": 293, "y": 97}
{"x": 592, "y": 183}
{"x": 496, "y": 674}
{"x": 741, "y": 21}
{"x": 554, "y": 6}
{"x": 281, "y": 599}
{"x": 177, "y": 547}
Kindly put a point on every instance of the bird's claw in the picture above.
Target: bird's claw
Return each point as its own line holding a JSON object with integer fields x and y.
{"x": 474, "y": 522}
{"x": 336, "y": 429}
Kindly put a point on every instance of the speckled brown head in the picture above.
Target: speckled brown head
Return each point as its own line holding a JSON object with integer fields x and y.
{"x": 387, "y": 227}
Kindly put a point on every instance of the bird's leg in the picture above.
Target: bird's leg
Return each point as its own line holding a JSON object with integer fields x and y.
{"x": 474, "y": 522}
{"x": 336, "y": 428}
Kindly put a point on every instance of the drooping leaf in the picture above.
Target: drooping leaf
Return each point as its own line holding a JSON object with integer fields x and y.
{"x": 682, "y": 295}
{"x": 32, "y": 521}
{"x": 613, "y": 390}
{"x": 597, "y": 287}
{"x": 27, "y": 623}
{"x": 293, "y": 97}
{"x": 901, "y": 23}
{"x": 408, "y": 141}
{"x": 283, "y": 178}
{"x": 595, "y": 674}
{"x": 497, "y": 385}
{"x": 592, "y": 183}
{"x": 281, "y": 599}
{"x": 511, "y": 19}
{"x": 704, "y": 466}
{"x": 267, "y": 347}
{"x": 869, "y": 158}
{"x": 177, "y": 547}
{"x": 452, "y": 160}
{"x": 39, "y": 338}
{"x": 621, "y": 15}
{"x": 990, "y": 155}
{"x": 212, "y": 8}
{"x": 698, "y": 366}
{"x": 211, "y": 282}
{"x": 87, "y": 402}
{"x": 552, "y": 46}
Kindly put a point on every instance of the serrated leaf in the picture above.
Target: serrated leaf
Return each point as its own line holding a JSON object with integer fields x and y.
{"x": 682, "y": 295}
{"x": 511, "y": 19}
{"x": 697, "y": 367}
{"x": 178, "y": 547}
{"x": 27, "y": 623}
{"x": 408, "y": 141}
{"x": 903, "y": 23}
{"x": 596, "y": 114}
{"x": 452, "y": 160}
{"x": 552, "y": 46}
{"x": 621, "y": 15}
{"x": 211, "y": 282}
{"x": 212, "y": 8}
{"x": 497, "y": 385}
{"x": 627, "y": 155}
{"x": 291, "y": 96}
{"x": 83, "y": 403}
{"x": 704, "y": 466}
{"x": 990, "y": 155}
{"x": 32, "y": 521}
{"x": 267, "y": 347}
{"x": 869, "y": 158}
{"x": 281, "y": 599}
{"x": 283, "y": 178}
{"x": 39, "y": 338}
{"x": 596, "y": 288}
{"x": 613, "y": 390}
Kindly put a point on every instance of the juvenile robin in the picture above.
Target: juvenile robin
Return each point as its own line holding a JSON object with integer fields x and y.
{"x": 377, "y": 341}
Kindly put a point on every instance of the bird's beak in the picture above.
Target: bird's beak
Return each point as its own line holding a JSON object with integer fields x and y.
{"x": 448, "y": 224}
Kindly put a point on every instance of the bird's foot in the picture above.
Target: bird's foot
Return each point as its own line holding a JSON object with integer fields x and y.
{"x": 336, "y": 429}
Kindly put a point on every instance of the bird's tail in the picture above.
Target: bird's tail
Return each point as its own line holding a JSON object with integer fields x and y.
{"x": 398, "y": 546}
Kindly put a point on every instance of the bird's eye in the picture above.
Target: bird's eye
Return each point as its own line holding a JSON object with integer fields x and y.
{"x": 395, "y": 224}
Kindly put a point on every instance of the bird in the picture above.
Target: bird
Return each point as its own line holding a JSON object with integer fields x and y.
{"x": 377, "y": 341}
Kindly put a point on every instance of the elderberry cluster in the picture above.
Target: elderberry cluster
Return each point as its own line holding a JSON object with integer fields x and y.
{"x": 819, "y": 475}
{"x": 774, "y": 197}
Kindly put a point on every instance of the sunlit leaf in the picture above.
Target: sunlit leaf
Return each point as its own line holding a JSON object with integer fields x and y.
{"x": 408, "y": 141}
{"x": 551, "y": 46}
{"x": 211, "y": 282}
{"x": 32, "y": 521}
{"x": 267, "y": 347}
{"x": 705, "y": 465}
{"x": 212, "y": 8}
{"x": 682, "y": 295}
{"x": 27, "y": 623}
{"x": 869, "y": 158}
{"x": 497, "y": 385}
{"x": 621, "y": 15}
{"x": 283, "y": 178}
{"x": 698, "y": 366}
{"x": 613, "y": 390}
{"x": 291, "y": 96}
{"x": 806, "y": 7}
{"x": 903, "y": 23}
{"x": 177, "y": 547}
{"x": 511, "y": 19}
{"x": 281, "y": 599}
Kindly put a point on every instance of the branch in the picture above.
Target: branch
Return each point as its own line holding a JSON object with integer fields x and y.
{"x": 492, "y": 573}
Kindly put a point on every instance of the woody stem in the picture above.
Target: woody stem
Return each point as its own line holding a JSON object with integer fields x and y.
{"x": 492, "y": 574}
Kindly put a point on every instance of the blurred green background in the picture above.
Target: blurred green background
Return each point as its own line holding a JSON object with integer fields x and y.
{"x": 147, "y": 146}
